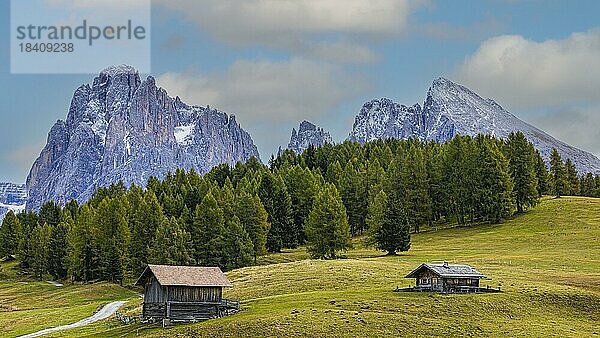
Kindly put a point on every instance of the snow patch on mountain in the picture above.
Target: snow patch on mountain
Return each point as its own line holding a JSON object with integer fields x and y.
{"x": 183, "y": 134}
{"x": 12, "y": 197}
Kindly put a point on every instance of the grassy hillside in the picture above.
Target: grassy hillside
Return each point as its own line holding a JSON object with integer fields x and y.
{"x": 546, "y": 261}
{"x": 27, "y": 306}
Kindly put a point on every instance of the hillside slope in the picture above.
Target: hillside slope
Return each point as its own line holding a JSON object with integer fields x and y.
{"x": 546, "y": 262}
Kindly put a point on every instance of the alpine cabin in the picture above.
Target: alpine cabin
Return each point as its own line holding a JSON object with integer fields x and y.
{"x": 184, "y": 293}
{"x": 447, "y": 278}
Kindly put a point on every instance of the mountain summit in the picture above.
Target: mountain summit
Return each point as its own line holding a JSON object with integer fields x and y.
{"x": 452, "y": 109}
{"x": 308, "y": 134}
{"x": 120, "y": 127}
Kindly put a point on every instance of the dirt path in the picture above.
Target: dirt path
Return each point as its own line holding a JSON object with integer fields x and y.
{"x": 105, "y": 312}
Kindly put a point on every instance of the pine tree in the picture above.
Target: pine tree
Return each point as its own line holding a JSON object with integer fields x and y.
{"x": 494, "y": 191}
{"x": 588, "y": 185}
{"x": 274, "y": 197}
{"x": 113, "y": 238}
{"x": 82, "y": 254}
{"x": 394, "y": 233}
{"x": 543, "y": 178}
{"x": 208, "y": 232}
{"x": 351, "y": 188}
{"x": 302, "y": 189}
{"x": 522, "y": 161}
{"x": 11, "y": 233}
{"x": 253, "y": 218}
{"x": 415, "y": 188}
{"x": 376, "y": 217}
{"x": 57, "y": 251}
{"x": 327, "y": 228}
{"x": 571, "y": 177}
{"x": 145, "y": 217}
{"x": 40, "y": 241}
{"x": 50, "y": 213}
{"x": 28, "y": 220}
{"x": 557, "y": 171}
{"x": 238, "y": 250}
{"x": 334, "y": 173}
{"x": 172, "y": 245}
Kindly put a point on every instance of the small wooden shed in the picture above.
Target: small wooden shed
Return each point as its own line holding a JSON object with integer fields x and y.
{"x": 184, "y": 293}
{"x": 447, "y": 278}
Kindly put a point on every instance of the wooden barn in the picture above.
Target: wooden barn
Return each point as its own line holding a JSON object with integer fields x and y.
{"x": 447, "y": 278}
{"x": 184, "y": 293}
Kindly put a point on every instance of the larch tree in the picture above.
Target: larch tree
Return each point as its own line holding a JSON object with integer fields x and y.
{"x": 327, "y": 228}
{"x": 522, "y": 163}
{"x": 11, "y": 233}
{"x": 557, "y": 171}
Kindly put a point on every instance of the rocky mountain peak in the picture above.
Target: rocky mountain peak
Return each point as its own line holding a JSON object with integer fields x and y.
{"x": 450, "y": 109}
{"x": 308, "y": 134}
{"x": 122, "y": 128}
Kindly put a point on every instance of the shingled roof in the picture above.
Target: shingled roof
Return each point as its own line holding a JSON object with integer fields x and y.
{"x": 446, "y": 270}
{"x": 169, "y": 275}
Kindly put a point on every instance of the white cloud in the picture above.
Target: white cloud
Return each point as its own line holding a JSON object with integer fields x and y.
{"x": 526, "y": 74}
{"x": 263, "y": 94}
{"x": 304, "y": 27}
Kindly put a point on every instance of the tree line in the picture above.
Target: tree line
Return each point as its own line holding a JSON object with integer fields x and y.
{"x": 384, "y": 189}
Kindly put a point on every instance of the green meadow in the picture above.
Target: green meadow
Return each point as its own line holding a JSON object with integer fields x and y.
{"x": 546, "y": 261}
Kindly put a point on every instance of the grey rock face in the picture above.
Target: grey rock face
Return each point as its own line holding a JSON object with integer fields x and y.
{"x": 308, "y": 134}
{"x": 123, "y": 128}
{"x": 12, "y": 197}
{"x": 451, "y": 109}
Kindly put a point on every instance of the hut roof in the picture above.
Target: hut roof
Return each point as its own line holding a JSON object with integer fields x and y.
{"x": 446, "y": 270}
{"x": 169, "y": 275}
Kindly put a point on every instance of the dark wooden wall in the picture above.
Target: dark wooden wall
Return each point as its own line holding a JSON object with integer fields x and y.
{"x": 181, "y": 302}
{"x": 194, "y": 294}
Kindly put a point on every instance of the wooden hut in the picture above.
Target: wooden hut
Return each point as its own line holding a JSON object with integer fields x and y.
{"x": 184, "y": 293}
{"x": 446, "y": 278}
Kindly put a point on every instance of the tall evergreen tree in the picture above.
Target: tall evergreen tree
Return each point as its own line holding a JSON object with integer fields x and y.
{"x": 302, "y": 188}
{"x": 82, "y": 253}
{"x": 394, "y": 233}
{"x": 522, "y": 161}
{"x": 253, "y": 218}
{"x": 113, "y": 239}
{"x": 40, "y": 241}
{"x": 276, "y": 200}
{"x": 571, "y": 178}
{"x": 238, "y": 250}
{"x": 57, "y": 251}
{"x": 415, "y": 188}
{"x": 172, "y": 244}
{"x": 208, "y": 232}
{"x": 494, "y": 189}
{"x": 327, "y": 228}
{"x": 543, "y": 177}
{"x": 557, "y": 170}
{"x": 11, "y": 233}
{"x": 146, "y": 215}
{"x": 376, "y": 217}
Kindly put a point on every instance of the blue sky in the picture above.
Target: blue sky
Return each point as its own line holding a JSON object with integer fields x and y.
{"x": 275, "y": 63}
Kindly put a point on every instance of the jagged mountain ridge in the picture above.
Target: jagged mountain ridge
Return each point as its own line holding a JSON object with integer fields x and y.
{"x": 12, "y": 197}
{"x": 452, "y": 109}
{"x": 123, "y": 128}
{"x": 308, "y": 134}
